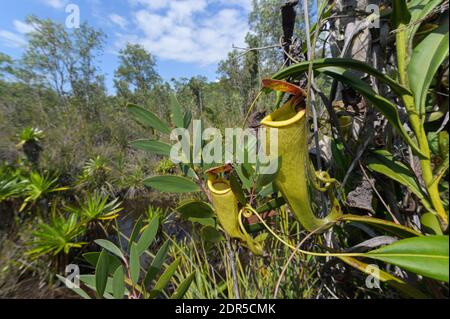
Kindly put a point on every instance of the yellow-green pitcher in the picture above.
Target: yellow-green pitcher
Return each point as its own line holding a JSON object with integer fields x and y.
{"x": 292, "y": 178}
{"x": 226, "y": 208}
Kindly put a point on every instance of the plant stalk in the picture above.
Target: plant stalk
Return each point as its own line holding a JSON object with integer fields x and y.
{"x": 416, "y": 122}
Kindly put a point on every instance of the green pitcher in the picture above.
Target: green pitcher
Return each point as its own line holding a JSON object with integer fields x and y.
{"x": 226, "y": 208}
{"x": 292, "y": 177}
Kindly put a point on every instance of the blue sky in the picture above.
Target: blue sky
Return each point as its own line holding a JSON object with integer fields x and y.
{"x": 188, "y": 37}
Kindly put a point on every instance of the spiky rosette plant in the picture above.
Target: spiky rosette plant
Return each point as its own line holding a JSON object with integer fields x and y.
{"x": 30, "y": 139}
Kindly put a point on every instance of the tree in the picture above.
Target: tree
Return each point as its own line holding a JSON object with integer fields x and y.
{"x": 240, "y": 72}
{"x": 136, "y": 76}
{"x": 196, "y": 85}
{"x": 5, "y": 65}
{"x": 251, "y": 68}
{"x": 65, "y": 61}
{"x": 86, "y": 83}
{"x": 243, "y": 70}
{"x": 48, "y": 55}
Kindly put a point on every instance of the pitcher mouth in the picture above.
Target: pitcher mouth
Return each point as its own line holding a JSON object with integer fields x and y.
{"x": 284, "y": 116}
{"x": 219, "y": 186}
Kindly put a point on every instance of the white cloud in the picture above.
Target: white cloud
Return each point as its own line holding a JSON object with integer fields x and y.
{"x": 11, "y": 39}
{"x": 197, "y": 31}
{"x": 16, "y": 39}
{"x": 151, "y": 4}
{"x": 119, "y": 20}
{"x": 58, "y": 4}
{"x": 161, "y": 4}
{"x": 23, "y": 27}
{"x": 246, "y": 4}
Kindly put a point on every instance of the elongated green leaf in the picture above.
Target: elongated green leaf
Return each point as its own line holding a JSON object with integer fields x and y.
{"x": 195, "y": 208}
{"x": 89, "y": 281}
{"x": 153, "y": 146}
{"x": 77, "y": 290}
{"x": 136, "y": 229}
{"x": 148, "y": 118}
{"x": 164, "y": 280}
{"x": 172, "y": 184}
{"x": 187, "y": 119}
{"x": 298, "y": 69}
{"x": 245, "y": 172}
{"x": 109, "y": 246}
{"x": 393, "y": 228}
{"x": 425, "y": 61}
{"x": 431, "y": 224}
{"x": 148, "y": 236}
{"x": 101, "y": 273}
{"x": 400, "y": 13}
{"x": 261, "y": 237}
{"x": 113, "y": 261}
{"x": 119, "y": 283}
{"x": 177, "y": 114}
{"x": 406, "y": 289}
{"x": 386, "y": 107}
{"x": 264, "y": 179}
{"x": 211, "y": 234}
{"x": 92, "y": 257}
{"x": 183, "y": 287}
{"x": 419, "y": 9}
{"x": 210, "y": 221}
{"x": 383, "y": 162}
{"x": 443, "y": 140}
{"x": 426, "y": 255}
{"x": 271, "y": 204}
{"x": 135, "y": 265}
{"x": 197, "y": 212}
{"x": 237, "y": 188}
{"x": 187, "y": 171}
{"x": 267, "y": 190}
{"x": 157, "y": 263}
{"x": 433, "y": 142}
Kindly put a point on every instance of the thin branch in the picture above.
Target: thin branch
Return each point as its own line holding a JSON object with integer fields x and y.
{"x": 333, "y": 117}
{"x": 310, "y": 98}
{"x": 248, "y": 50}
{"x": 444, "y": 123}
{"x": 233, "y": 267}
{"x": 439, "y": 9}
{"x": 378, "y": 194}
{"x": 286, "y": 265}
{"x": 287, "y": 53}
{"x": 359, "y": 153}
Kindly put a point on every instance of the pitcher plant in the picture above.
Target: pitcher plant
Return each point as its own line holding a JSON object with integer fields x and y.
{"x": 227, "y": 210}
{"x": 294, "y": 177}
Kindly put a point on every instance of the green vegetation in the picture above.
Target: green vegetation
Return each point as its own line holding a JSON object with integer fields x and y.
{"x": 361, "y": 188}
